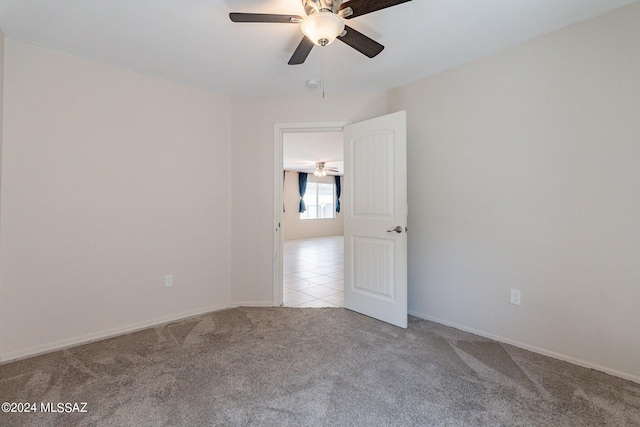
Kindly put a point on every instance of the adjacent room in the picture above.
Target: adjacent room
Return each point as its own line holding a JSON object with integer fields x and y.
{"x": 157, "y": 267}
{"x": 313, "y": 247}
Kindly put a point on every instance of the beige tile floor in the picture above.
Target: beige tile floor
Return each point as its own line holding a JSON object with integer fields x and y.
{"x": 313, "y": 273}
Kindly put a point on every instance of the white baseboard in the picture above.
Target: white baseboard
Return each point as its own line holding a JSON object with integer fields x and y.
{"x": 532, "y": 348}
{"x": 253, "y": 304}
{"x": 107, "y": 333}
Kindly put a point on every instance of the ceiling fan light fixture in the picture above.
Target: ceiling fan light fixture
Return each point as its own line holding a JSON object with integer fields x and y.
{"x": 320, "y": 171}
{"x": 322, "y": 28}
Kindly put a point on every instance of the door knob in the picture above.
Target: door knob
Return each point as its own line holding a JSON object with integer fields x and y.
{"x": 398, "y": 229}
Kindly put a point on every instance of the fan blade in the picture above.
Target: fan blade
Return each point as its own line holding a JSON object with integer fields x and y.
{"x": 265, "y": 17}
{"x": 362, "y": 7}
{"x": 361, "y": 43}
{"x": 302, "y": 51}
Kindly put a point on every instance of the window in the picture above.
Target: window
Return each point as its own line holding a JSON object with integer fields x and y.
{"x": 320, "y": 199}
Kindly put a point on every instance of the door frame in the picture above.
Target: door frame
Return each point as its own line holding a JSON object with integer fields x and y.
{"x": 279, "y": 129}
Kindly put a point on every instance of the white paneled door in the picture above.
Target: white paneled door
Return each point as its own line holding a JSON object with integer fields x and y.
{"x": 375, "y": 218}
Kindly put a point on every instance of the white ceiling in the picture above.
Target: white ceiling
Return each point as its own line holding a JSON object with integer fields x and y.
{"x": 194, "y": 42}
{"x": 301, "y": 151}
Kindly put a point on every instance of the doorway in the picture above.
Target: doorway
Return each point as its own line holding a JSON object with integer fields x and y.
{"x": 309, "y": 248}
{"x": 375, "y": 226}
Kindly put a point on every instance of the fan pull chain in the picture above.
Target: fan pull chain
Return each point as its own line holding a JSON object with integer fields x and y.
{"x": 322, "y": 73}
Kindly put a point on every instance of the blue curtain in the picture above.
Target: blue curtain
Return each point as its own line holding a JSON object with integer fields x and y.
{"x": 337, "y": 193}
{"x": 302, "y": 185}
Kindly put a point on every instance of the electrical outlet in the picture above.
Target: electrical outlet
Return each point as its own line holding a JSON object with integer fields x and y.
{"x": 168, "y": 281}
{"x": 515, "y": 296}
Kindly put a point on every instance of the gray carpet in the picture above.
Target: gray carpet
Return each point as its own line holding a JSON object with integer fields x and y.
{"x": 285, "y": 366}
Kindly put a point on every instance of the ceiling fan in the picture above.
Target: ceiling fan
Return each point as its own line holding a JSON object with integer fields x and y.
{"x": 324, "y": 23}
{"x": 321, "y": 168}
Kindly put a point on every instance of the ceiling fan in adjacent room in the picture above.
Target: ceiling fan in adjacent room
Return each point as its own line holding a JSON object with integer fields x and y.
{"x": 322, "y": 169}
{"x": 324, "y": 23}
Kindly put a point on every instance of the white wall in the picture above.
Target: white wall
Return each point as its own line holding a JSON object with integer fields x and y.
{"x": 111, "y": 180}
{"x": 296, "y": 228}
{"x": 253, "y": 149}
{"x": 524, "y": 173}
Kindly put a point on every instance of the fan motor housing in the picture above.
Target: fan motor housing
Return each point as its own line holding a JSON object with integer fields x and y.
{"x": 315, "y": 6}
